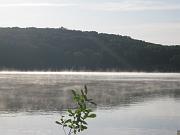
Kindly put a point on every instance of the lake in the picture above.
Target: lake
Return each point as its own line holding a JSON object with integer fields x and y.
{"x": 128, "y": 103}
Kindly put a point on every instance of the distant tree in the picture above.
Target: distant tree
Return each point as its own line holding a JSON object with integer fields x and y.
{"x": 63, "y": 49}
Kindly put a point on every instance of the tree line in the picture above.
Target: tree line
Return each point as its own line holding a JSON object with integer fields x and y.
{"x": 59, "y": 49}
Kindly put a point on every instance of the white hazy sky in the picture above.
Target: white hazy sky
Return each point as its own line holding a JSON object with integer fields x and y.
{"x": 156, "y": 21}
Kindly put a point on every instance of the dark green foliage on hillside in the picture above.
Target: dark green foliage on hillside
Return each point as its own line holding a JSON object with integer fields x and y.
{"x": 62, "y": 49}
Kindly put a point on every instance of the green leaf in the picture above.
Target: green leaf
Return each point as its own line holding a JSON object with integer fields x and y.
{"x": 85, "y": 88}
{"x": 73, "y": 92}
{"x": 67, "y": 121}
{"x": 93, "y": 103}
{"x": 88, "y": 110}
{"x": 70, "y": 111}
{"x": 89, "y": 100}
{"x": 82, "y": 92}
{"x": 62, "y": 121}
{"x": 84, "y": 122}
{"x": 70, "y": 126}
{"x": 57, "y": 122}
{"x": 64, "y": 125}
{"x": 92, "y": 115}
{"x": 84, "y": 127}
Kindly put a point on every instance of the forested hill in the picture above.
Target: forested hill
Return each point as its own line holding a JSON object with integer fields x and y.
{"x": 62, "y": 49}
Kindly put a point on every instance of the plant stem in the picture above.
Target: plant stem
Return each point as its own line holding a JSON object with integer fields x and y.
{"x": 64, "y": 131}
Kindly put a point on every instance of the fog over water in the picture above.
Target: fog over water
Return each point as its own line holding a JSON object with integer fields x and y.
{"x": 128, "y": 103}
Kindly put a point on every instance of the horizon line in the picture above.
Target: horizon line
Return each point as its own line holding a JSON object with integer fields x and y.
{"x": 61, "y": 27}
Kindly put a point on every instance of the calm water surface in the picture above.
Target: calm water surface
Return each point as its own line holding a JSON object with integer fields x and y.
{"x": 128, "y": 103}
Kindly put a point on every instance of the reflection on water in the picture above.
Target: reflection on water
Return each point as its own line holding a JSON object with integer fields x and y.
{"x": 51, "y": 92}
{"x": 128, "y": 103}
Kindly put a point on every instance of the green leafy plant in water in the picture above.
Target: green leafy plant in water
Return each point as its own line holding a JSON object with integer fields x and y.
{"x": 75, "y": 120}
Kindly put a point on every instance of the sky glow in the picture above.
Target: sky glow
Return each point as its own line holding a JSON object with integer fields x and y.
{"x": 156, "y": 21}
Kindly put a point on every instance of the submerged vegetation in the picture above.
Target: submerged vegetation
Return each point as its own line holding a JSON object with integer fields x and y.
{"x": 63, "y": 49}
{"x": 75, "y": 120}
